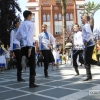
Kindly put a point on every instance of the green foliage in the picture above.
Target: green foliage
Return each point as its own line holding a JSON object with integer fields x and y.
{"x": 91, "y": 6}
{"x": 8, "y": 9}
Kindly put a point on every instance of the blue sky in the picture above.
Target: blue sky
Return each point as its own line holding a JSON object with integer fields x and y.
{"x": 22, "y": 4}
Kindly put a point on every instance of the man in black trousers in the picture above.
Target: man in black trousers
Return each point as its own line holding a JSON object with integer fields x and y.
{"x": 89, "y": 45}
{"x": 15, "y": 47}
{"x": 25, "y": 35}
{"x": 78, "y": 47}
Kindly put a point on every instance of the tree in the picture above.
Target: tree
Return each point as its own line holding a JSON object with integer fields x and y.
{"x": 8, "y": 10}
{"x": 68, "y": 36}
{"x": 63, "y": 5}
{"x": 90, "y": 8}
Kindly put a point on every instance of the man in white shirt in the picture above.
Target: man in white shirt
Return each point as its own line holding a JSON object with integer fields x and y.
{"x": 46, "y": 40}
{"x": 89, "y": 45}
{"x": 78, "y": 47}
{"x": 15, "y": 47}
{"x": 25, "y": 35}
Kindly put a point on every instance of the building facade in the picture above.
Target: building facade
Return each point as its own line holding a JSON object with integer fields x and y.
{"x": 49, "y": 12}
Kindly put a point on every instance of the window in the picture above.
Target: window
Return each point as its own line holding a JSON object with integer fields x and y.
{"x": 55, "y": 17}
{"x": 70, "y": 1}
{"x": 57, "y": 1}
{"x": 71, "y": 16}
{"x": 67, "y": 16}
{"x": 60, "y": 17}
{"x": 44, "y": 17}
{"x": 57, "y": 33}
{"x": 48, "y": 17}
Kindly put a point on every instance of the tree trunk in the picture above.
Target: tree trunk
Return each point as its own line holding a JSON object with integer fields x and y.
{"x": 63, "y": 21}
{"x": 92, "y": 23}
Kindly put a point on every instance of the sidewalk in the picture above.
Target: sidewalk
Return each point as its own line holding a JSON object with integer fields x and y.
{"x": 61, "y": 85}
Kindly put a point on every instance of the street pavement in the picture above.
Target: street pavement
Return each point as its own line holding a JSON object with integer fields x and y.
{"x": 61, "y": 85}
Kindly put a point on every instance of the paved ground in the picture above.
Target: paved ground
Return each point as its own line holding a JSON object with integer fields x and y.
{"x": 62, "y": 85}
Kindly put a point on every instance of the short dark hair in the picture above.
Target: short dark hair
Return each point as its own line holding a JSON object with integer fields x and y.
{"x": 88, "y": 18}
{"x": 26, "y": 13}
{"x": 15, "y": 22}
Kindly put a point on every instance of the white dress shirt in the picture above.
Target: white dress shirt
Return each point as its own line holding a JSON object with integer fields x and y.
{"x": 87, "y": 35}
{"x": 87, "y": 32}
{"x": 25, "y": 34}
{"x": 78, "y": 41}
{"x": 44, "y": 41}
{"x": 56, "y": 55}
{"x": 14, "y": 43}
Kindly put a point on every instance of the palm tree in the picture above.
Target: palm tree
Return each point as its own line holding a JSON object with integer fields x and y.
{"x": 91, "y": 8}
{"x": 63, "y": 5}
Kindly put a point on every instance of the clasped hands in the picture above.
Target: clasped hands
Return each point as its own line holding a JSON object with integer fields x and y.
{"x": 49, "y": 45}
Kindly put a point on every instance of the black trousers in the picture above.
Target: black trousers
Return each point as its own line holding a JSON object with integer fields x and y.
{"x": 75, "y": 54}
{"x": 48, "y": 58}
{"x": 98, "y": 57}
{"x": 88, "y": 60}
{"x": 81, "y": 58}
{"x": 18, "y": 64}
{"x": 40, "y": 61}
{"x": 32, "y": 64}
{"x": 11, "y": 63}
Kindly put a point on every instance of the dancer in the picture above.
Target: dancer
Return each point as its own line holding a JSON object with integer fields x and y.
{"x": 46, "y": 40}
{"x": 56, "y": 57}
{"x": 78, "y": 47}
{"x": 2, "y": 57}
{"x": 25, "y": 35}
{"x": 89, "y": 45}
{"x": 15, "y": 47}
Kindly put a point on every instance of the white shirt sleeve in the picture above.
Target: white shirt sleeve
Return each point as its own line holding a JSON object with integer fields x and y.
{"x": 88, "y": 32}
{"x": 30, "y": 35}
{"x": 18, "y": 35}
{"x": 75, "y": 42}
{"x": 80, "y": 41}
{"x": 52, "y": 39}
{"x": 40, "y": 41}
{"x": 11, "y": 40}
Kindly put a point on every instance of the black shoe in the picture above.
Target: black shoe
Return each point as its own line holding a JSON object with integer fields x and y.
{"x": 77, "y": 74}
{"x": 46, "y": 76}
{"x": 33, "y": 85}
{"x": 21, "y": 80}
{"x": 87, "y": 79}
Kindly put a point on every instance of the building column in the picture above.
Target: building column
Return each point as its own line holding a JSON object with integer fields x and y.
{"x": 40, "y": 20}
{"x": 52, "y": 27}
{"x": 75, "y": 14}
